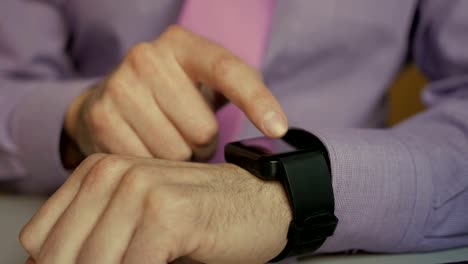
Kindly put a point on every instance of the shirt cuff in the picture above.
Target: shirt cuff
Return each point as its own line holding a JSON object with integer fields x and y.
{"x": 37, "y": 124}
{"x": 381, "y": 196}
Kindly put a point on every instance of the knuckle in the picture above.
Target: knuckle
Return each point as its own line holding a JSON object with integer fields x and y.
{"x": 223, "y": 66}
{"x": 207, "y": 134}
{"x": 107, "y": 164}
{"x": 117, "y": 87}
{"x": 259, "y": 95}
{"x": 138, "y": 54}
{"x": 182, "y": 154}
{"x": 140, "y": 59}
{"x": 174, "y": 32}
{"x": 256, "y": 95}
{"x": 27, "y": 241}
{"x": 102, "y": 174}
{"x": 97, "y": 117}
{"x": 93, "y": 158}
{"x": 93, "y": 181}
{"x": 133, "y": 181}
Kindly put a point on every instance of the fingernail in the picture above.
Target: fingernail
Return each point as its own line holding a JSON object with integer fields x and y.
{"x": 274, "y": 124}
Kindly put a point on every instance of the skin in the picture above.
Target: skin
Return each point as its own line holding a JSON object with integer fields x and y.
{"x": 124, "y": 209}
{"x": 156, "y": 102}
{"x": 120, "y": 209}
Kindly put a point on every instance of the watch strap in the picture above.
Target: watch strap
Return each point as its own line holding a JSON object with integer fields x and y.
{"x": 307, "y": 181}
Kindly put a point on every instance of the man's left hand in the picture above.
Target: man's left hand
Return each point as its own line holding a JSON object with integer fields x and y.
{"x": 116, "y": 209}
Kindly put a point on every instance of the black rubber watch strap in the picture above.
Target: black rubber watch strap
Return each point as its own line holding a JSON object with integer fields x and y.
{"x": 307, "y": 181}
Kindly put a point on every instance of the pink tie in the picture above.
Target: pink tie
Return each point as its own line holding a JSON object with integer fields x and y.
{"x": 241, "y": 26}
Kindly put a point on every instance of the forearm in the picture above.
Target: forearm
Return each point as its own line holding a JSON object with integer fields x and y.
{"x": 401, "y": 189}
{"x": 37, "y": 84}
{"x": 376, "y": 185}
{"x": 405, "y": 188}
{"x": 34, "y": 117}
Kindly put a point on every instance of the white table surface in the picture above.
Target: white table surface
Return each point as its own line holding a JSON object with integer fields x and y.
{"x": 16, "y": 211}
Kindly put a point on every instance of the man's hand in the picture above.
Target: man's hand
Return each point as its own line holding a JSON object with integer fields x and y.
{"x": 116, "y": 209}
{"x": 152, "y": 105}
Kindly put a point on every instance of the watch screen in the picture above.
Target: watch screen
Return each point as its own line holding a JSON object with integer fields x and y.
{"x": 267, "y": 146}
{"x": 260, "y": 156}
{"x": 295, "y": 139}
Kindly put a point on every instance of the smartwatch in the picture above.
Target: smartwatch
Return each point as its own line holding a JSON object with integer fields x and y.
{"x": 299, "y": 160}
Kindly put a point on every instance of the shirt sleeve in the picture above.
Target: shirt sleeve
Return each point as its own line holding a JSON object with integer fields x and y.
{"x": 406, "y": 188}
{"x": 37, "y": 83}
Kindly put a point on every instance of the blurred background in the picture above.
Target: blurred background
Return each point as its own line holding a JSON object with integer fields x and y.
{"x": 405, "y": 95}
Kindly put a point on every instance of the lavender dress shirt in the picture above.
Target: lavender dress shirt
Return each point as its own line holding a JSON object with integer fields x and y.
{"x": 328, "y": 62}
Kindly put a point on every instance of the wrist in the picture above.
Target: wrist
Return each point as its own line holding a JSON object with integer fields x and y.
{"x": 281, "y": 213}
{"x": 299, "y": 162}
{"x": 73, "y": 112}
{"x": 70, "y": 152}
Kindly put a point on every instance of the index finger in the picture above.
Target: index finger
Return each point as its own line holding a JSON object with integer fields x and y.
{"x": 217, "y": 67}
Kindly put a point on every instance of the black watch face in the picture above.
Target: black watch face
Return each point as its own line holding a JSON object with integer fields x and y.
{"x": 264, "y": 146}
{"x": 260, "y": 156}
{"x": 294, "y": 140}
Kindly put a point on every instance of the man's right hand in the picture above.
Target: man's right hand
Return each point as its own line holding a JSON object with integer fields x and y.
{"x": 152, "y": 105}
